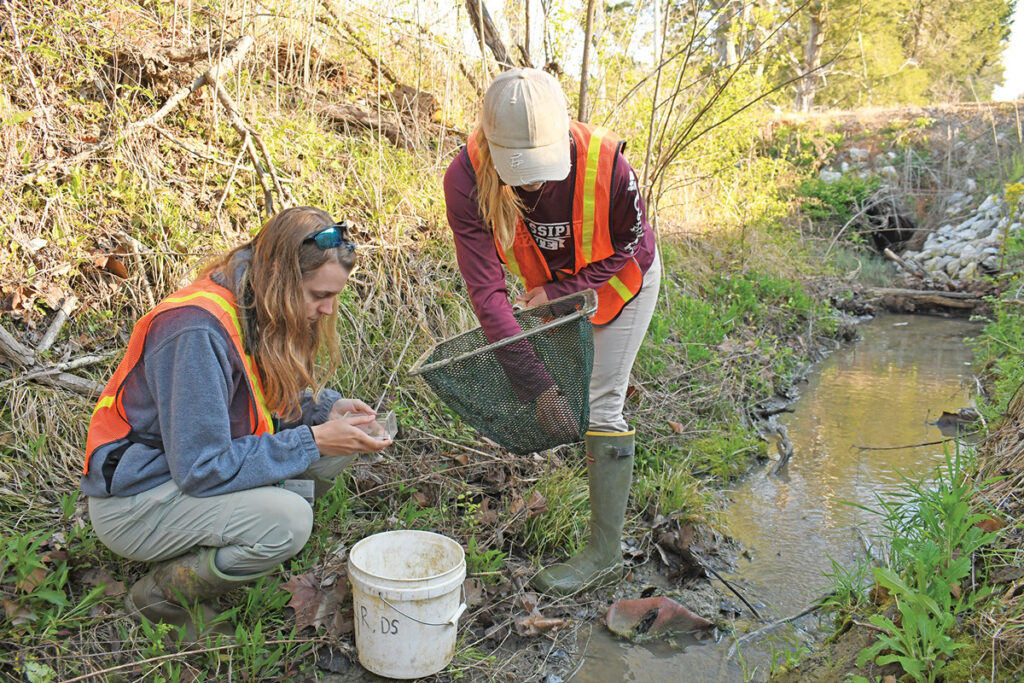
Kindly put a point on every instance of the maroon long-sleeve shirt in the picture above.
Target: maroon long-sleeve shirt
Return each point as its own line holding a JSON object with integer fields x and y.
{"x": 548, "y": 217}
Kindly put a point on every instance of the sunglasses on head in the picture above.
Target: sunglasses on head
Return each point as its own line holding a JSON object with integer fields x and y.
{"x": 332, "y": 237}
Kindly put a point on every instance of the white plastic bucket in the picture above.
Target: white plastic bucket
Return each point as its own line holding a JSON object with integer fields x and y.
{"x": 406, "y": 592}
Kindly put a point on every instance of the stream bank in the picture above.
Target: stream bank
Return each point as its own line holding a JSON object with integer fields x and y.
{"x": 881, "y": 392}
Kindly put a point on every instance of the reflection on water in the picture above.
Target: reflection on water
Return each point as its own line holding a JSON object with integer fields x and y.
{"x": 879, "y": 392}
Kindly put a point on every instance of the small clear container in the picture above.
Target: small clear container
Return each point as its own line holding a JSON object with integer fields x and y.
{"x": 385, "y": 427}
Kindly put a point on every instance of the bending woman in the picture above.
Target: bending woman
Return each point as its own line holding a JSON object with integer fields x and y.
{"x": 556, "y": 202}
{"x": 210, "y": 409}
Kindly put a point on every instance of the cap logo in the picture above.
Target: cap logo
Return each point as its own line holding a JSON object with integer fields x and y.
{"x": 516, "y": 159}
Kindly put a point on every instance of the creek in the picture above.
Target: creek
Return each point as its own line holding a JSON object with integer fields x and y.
{"x": 880, "y": 391}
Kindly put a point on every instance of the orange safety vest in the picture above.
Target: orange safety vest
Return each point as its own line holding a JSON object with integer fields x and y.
{"x": 109, "y": 424}
{"x": 596, "y": 149}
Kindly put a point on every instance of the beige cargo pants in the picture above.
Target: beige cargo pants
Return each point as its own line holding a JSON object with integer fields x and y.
{"x": 615, "y": 347}
{"x": 255, "y": 530}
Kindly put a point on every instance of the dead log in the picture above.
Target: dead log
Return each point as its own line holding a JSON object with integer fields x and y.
{"x": 364, "y": 119}
{"x": 56, "y": 375}
{"x": 921, "y": 298}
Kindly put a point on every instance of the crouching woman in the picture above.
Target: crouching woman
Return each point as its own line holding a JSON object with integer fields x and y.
{"x": 219, "y": 399}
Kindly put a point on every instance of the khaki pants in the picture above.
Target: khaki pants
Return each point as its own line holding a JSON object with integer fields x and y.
{"x": 255, "y": 530}
{"x": 615, "y": 347}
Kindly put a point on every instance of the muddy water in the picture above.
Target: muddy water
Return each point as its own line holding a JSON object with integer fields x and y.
{"x": 880, "y": 391}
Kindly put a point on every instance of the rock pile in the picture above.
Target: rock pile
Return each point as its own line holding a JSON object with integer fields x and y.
{"x": 966, "y": 251}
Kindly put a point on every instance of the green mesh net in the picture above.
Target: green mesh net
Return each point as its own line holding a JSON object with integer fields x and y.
{"x": 528, "y": 392}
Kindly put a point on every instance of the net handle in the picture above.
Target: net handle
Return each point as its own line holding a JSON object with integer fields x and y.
{"x": 588, "y": 308}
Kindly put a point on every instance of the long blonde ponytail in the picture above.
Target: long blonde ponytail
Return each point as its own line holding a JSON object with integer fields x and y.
{"x": 499, "y": 204}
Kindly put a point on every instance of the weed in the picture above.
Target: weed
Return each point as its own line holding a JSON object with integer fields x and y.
{"x": 934, "y": 536}
{"x": 836, "y": 202}
{"x": 788, "y": 656}
{"x": 563, "y": 527}
{"x": 849, "y": 586}
{"x": 483, "y": 563}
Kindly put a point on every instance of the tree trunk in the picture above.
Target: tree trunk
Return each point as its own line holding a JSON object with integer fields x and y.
{"x": 725, "y": 37}
{"x": 487, "y": 33}
{"x": 807, "y": 86}
{"x": 583, "y": 114}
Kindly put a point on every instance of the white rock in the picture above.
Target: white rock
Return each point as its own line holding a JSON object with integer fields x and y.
{"x": 968, "y": 253}
{"x": 829, "y": 177}
{"x": 844, "y": 167}
{"x": 970, "y": 184}
{"x": 858, "y": 154}
{"x": 990, "y": 264}
{"x": 889, "y": 172}
{"x": 952, "y": 267}
{"x": 1015, "y": 227}
{"x": 989, "y": 203}
{"x": 969, "y": 271}
{"x": 984, "y": 227}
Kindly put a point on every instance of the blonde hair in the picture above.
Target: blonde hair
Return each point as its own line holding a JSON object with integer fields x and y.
{"x": 500, "y": 206}
{"x": 271, "y": 304}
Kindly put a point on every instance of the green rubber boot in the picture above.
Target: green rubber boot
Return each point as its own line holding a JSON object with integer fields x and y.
{"x": 610, "y": 473}
{"x": 169, "y": 591}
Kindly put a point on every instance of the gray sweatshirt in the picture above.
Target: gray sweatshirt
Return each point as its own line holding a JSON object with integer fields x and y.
{"x": 188, "y": 398}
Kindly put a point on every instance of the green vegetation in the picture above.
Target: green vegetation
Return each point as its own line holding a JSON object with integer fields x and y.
{"x": 934, "y": 533}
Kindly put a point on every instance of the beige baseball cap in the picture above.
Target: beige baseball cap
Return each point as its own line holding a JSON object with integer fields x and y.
{"x": 527, "y": 127}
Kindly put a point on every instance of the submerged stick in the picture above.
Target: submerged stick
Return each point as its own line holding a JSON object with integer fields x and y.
{"x": 727, "y": 585}
{"x": 896, "y": 448}
{"x": 778, "y": 622}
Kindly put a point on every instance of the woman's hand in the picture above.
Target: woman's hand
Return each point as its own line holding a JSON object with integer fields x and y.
{"x": 342, "y": 436}
{"x": 535, "y": 297}
{"x": 344, "y": 406}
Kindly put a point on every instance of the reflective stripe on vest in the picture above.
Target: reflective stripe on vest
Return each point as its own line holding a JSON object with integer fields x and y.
{"x": 108, "y": 422}
{"x": 596, "y": 149}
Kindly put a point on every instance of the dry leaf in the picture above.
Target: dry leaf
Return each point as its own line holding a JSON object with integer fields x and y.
{"x": 422, "y": 499}
{"x": 676, "y": 427}
{"x": 474, "y": 591}
{"x": 313, "y": 605}
{"x": 16, "y": 614}
{"x": 35, "y": 245}
{"x": 535, "y": 625}
{"x": 110, "y": 264}
{"x": 98, "y": 577}
{"x": 486, "y": 516}
{"x": 32, "y": 581}
{"x": 537, "y": 504}
{"x": 460, "y": 458}
{"x": 992, "y": 523}
{"x": 955, "y": 591}
{"x": 517, "y": 505}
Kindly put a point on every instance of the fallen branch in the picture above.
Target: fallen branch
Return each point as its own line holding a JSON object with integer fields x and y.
{"x": 350, "y": 114}
{"x": 55, "y": 375}
{"x": 910, "y": 266}
{"x": 212, "y": 74}
{"x": 728, "y": 585}
{"x": 15, "y": 350}
{"x": 58, "y": 323}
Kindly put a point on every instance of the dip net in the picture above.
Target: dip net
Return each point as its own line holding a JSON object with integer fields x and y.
{"x": 528, "y": 392}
